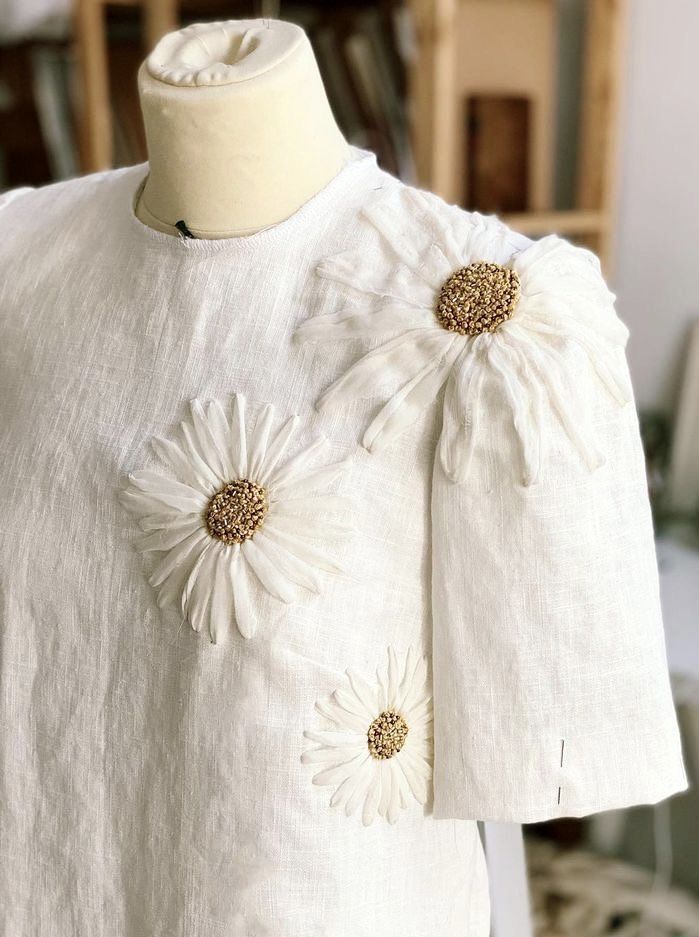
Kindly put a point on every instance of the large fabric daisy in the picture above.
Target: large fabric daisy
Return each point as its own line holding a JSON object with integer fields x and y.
{"x": 461, "y": 299}
{"x": 377, "y": 753}
{"x": 236, "y": 504}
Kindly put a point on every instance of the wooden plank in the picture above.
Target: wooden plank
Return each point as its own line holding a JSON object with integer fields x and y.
{"x": 92, "y": 92}
{"x": 433, "y": 104}
{"x": 160, "y": 17}
{"x": 599, "y": 117}
{"x": 560, "y": 222}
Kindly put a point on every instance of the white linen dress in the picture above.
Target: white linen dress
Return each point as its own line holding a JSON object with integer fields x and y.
{"x": 318, "y": 546}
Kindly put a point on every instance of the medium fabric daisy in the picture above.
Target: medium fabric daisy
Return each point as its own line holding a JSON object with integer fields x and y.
{"x": 377, "y": 754}
{"x": 236, "y": 504}
{"x": 462, "y": 300}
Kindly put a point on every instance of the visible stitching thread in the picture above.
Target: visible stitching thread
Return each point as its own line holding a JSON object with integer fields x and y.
{"x": 563, "y": 745}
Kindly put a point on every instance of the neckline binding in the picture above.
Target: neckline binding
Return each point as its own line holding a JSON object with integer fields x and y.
{"x": 318, "y": 203}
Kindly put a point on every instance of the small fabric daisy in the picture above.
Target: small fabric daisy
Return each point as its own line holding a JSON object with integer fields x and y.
{"x": 235, "y": 505}
{"x": 377, "y": 753}
{"x": 455, "y": 299}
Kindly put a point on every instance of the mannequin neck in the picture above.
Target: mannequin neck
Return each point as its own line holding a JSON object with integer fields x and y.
{"x": 239, "y": 130}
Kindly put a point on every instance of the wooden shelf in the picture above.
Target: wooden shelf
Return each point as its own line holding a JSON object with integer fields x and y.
{"x": 436, "y": 116}
{"x": 568, "y": 223}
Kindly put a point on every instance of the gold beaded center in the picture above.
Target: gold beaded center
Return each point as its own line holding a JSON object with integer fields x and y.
{"x": 386, "y": 735}
{"x": 478, "y": 298}
{"x": 236, "y": 511}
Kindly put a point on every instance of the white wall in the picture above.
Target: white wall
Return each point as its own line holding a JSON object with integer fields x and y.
{"x": 656, "y": 272}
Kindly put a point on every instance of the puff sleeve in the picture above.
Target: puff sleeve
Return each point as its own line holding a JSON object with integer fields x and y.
{"x": 551, "y": 690}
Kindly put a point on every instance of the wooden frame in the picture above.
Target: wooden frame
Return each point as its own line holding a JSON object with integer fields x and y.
{"x": 434, "y": 119}
{"x": 91, "y": 94}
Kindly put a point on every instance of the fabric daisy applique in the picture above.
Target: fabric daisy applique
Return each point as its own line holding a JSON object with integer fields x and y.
{"x": 236, "y": 504}
{"x": 378, "y": 752}
{"x": 463, "y": 299}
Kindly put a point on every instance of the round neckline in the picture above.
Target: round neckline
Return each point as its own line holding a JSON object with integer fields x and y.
{"x": 314, "y": 206}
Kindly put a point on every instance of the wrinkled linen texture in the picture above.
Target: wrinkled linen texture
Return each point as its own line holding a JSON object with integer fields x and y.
{"x": 151, "y": 782}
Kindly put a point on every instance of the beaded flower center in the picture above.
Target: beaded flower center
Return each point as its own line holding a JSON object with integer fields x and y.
{"x": 236, "y": 511}
{"x": 478, "y": 298}
{"x": 386, "y": 735}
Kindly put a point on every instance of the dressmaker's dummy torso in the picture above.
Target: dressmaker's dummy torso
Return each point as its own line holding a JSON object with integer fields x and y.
{"x": 239, "y": 130}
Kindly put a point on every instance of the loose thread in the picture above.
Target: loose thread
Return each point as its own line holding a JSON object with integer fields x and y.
{"x": 563, "y": 745}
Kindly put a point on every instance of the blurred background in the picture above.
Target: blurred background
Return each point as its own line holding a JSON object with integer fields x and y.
{"x": 578, "y": 117}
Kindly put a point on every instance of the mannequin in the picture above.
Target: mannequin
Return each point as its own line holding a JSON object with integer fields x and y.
{"x": 239, "y": 129}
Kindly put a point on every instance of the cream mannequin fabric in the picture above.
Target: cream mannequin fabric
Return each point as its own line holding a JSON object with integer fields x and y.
{"x": 168, "y": 698}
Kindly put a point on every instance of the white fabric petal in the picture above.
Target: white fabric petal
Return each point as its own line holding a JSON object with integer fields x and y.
{"x": 337, "y": 774}
{"x": 245, "y": 616}
{"x": 168, "y": 537}
{"x": 212, "y": 450}
{"x": 270, "y": 577}
{"x": 537, "y": 398}
{"x": 332, "y": 755}
{"x": 171, "y": 587}
{"x": 362, "y": 691}
{"x": 197, "y": 591}
{"x": 290, "y": 564}
{"x": 373, "y": 797}
{"x": 173, "y": 457}
{"x": 573, "y": 313}
{"x": 332, "y": 738}
{"x": 179, "y": 556}
{"x": 384, "y": 779}
{"x": 308, "y": 554}
{"x": 401, "y": 242}
{"x": 311, "y": 481}
{"x": 558, "y": 387}
{"x": 162, "y": 519}
{"x": 417, "y": 785}
{"x": 296, "y": 466}
{"x": 349, "y": 270}
{"x": 518, "y": 396}
{"x": 462, "y": 402}
{"x": 221, "y": 605}
{"x": 348, "y": 324}
{"x": 202, "y": 467}
{"x": 169, "y": 492}
{"x": 277, "y": 449}
{"x": 401, "y": 357}
{"x": 410, "y": 401}
{"x": 221, "y": 432}
{"x": 489, "y": 242}
{"x": 393, "y": 809}
{"x": 342, "y": 792}
{"x": 312, "y": 526}
{"x": 362, "y": 781}
{"x": 258, "y": 441}
{"x": 394, "y": 676}
{"x": 315, "y": 506}
{"x": 598, "y": 353}
{"x": 339, "y": 716}
{"x": 238, "y": 443}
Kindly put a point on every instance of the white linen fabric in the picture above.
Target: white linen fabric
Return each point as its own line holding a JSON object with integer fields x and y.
{"x": 154, "y": 783}
{"x": 34, "y": 19}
